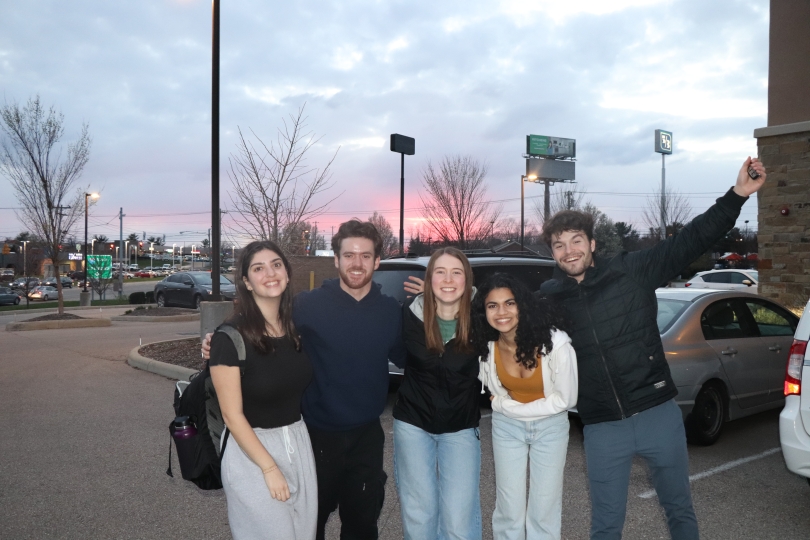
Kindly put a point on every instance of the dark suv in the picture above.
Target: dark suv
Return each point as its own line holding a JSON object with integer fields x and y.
{"x": 532, "y": 271}
{"x": 189, "y": 289}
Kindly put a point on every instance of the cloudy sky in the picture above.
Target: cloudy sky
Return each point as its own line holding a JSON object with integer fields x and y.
{"x": 472, "y": 77}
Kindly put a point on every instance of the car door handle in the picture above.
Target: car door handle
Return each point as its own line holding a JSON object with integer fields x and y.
{"x": 729, "y": 351}
{"x": 775, "y": 348}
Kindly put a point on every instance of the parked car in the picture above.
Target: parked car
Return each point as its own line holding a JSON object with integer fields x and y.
{"x": 25, "y": 283}
{"x": 145, "y": 273}
{"x": 392, "y": 273}
{"x": 8, "y": 296}
{"x": 134, "y": 268}
{"x": 7, "y": 274}
{"x": 77, "y": 276}
{"x": 725, "y": 279}
{"x": 794, "y": 421}
{"x": 66, "y": 281}
{"x": 43, "y": 292}
{"x": 188, "y": 289}
{"x": 727, "y": 352}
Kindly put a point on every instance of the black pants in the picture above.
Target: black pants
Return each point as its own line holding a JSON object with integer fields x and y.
{"x": 350, "y": 478}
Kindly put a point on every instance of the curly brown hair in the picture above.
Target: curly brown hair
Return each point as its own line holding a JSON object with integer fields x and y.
{"x": 568, "y": 220}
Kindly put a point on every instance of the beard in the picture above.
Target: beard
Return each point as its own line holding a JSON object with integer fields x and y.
{"x": 355, "y": 282}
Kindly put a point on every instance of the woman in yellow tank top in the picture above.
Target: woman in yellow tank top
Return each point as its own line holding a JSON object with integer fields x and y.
{"x": 530, "y": 368}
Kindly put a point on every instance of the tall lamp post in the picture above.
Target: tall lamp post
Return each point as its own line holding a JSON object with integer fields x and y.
{"x": 174, "y": 255}
{"x": 523, "y": 178}
{"x": 25, "y": 258}
{"x": 87, "y": 197}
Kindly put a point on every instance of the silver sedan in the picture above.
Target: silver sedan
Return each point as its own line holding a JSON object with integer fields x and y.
{"x": 727, "y": 351}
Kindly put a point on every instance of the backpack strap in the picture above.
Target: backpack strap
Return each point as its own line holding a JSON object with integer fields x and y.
{"x": 238, "y": 342}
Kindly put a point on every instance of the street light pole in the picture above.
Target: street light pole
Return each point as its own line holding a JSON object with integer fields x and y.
{"x": 214, "y": 240}
{"x": 523, "y": 179}
{"x": 25, "y": 256}
{"x": 87, "y": 196}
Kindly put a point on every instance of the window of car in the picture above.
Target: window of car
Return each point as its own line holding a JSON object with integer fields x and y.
{"x": 3, "y": 290}
{"x": 722, "y": 320}
{"x": 530, "y": 275}
{"x": 771, "y": 320}
{"x": 176, "y": 278}
{"x": 205, "y": 280}
{"x": 737, "y": 278}
{"x": 668, "y": 312}
{"x": 718, "y": 277}
{"x": 392, "y": 277}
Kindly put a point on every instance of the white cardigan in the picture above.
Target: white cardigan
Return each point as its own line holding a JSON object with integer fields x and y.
{"x": 559, "y": 382}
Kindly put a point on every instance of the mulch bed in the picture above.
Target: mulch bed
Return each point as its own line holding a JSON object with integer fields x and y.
{"x": 160, "y": 312}
{"x": 55, "y": 317}
{"x": 183, "y": 352}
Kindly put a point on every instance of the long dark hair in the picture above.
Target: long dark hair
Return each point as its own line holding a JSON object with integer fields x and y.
{"x": 433, "y": 336}
{"x": 247, "y": 317}
{"x": 536, "y": 319}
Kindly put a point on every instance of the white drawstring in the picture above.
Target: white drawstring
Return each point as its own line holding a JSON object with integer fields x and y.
{"x": 287, "y": 444}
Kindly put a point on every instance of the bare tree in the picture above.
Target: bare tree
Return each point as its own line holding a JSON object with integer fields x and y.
{"x": 390, "y": 240}
{"x": 43, "y": 179}
{"x": 455, "y": 206}
{"x": 566, "y": 196}
{"x": 274, "y": 187}
{"x": 677, "y": 211}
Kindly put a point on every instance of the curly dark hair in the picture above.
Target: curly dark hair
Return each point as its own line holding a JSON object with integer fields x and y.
{"x": 568, "y": 220}
{"x": 536, "y": 318}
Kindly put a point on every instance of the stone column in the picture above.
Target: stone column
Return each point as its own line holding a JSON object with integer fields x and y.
{"x": 784, "y": 213}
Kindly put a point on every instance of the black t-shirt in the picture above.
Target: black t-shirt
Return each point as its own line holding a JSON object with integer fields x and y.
{"x": 273, "y": 382}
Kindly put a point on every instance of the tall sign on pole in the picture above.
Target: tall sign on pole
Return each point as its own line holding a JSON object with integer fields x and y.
{"x": 548, "y": 160}
{"x": 404, "y": 146}
{"x": 663, "y": 145}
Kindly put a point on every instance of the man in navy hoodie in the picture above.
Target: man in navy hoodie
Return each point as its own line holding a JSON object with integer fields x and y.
{"x": 349, "y": 330}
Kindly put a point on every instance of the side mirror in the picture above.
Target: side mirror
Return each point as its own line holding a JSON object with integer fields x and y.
{"x": 748, "y": 282}
{"x": 188, "y": 282}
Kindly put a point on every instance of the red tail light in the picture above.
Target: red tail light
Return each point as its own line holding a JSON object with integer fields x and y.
{"x": 793, "y": 376}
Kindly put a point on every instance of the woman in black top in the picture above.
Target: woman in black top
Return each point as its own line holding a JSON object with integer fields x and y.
{"x": 269, "y": 474}
{"x": 436, "y": 415}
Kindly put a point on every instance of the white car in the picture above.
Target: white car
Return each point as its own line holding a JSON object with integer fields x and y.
{"x": 794, "y": 421}
{"x": 725, "y": 280}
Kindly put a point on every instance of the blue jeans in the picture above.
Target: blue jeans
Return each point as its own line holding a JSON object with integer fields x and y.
{"x": 658, "y": 436}
{"x": 538, "y": 447}
{"x": 437, "y": 480}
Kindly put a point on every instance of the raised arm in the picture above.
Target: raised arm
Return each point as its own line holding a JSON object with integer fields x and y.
{"x": 655, "y": 266}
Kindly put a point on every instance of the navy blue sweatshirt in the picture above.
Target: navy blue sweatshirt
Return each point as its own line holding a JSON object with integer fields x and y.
{"x": 349, "y": 343}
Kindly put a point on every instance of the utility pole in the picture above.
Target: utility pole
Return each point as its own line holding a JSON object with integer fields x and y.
{"x": 121, "y": 216}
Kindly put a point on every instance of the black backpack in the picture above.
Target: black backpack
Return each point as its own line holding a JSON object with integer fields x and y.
{"x": 200, "y": 455}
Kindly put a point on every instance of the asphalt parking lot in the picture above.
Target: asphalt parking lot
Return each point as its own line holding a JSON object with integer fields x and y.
{"x": 84, "y": 445}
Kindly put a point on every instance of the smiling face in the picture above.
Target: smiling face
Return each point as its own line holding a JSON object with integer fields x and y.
{"x": 266, "y": 275}
{"x": 502, "y": 311}
{"x": 356, "y": 264}
{"x": 573, "y": 252}
{"x": 448, "y": 281}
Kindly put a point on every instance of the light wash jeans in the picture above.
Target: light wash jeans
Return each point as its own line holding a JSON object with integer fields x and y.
{"x": 437, "y": 480}
{"x": 538, "y": 448}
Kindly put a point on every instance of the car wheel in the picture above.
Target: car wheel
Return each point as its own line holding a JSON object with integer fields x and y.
{"x": 161, "y": 301}
{"x": 197, "y": 301}
{"x": 705, "y": 422}
{"x": 45, "y": 298}
{"x": 17, "y": 302}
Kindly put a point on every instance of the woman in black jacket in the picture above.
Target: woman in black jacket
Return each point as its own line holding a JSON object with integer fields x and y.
{"x": 437, "y": 451}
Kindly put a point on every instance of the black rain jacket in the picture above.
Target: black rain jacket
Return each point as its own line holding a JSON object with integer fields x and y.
{"x": 440, "y": 392}
{"x": 620, "y": 357}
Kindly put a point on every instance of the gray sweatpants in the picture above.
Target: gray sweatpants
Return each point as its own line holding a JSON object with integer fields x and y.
{"x": 252, "y": 513}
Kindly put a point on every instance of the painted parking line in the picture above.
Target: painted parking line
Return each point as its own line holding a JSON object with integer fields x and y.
{"x": 720, "y": 468}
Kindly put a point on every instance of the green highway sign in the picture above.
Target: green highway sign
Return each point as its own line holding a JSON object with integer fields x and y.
{"x": 554, "y": 147}
{"x": 99, "y": 266}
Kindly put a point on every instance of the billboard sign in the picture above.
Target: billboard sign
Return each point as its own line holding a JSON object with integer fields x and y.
{"x": 663, "y": 141}
{"x": 99, "y": 266}
{"x": 550, "y": 169}
{"x": 553, "y": 147}
{"x": 403, "y": 144}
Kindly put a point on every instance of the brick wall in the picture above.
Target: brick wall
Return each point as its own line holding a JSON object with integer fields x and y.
{"x": 784, "y": 241}
{"x": 323, "y": 268}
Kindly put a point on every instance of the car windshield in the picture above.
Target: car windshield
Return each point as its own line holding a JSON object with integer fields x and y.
{"x": 205, "y": 279}
{"x": 668, "y": 312}
{"x": 391, "y": 279}
{"x": 754, "y": 274}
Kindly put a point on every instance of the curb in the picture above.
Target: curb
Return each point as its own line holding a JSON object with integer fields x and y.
{"x": 157, "y": 367}
{"x": 53, "y": 325}
{"x": 75, "y": 308}
{"x": 165, "y": 318}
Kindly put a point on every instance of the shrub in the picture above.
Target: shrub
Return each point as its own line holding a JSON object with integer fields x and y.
{"x": 149, "y": 297}
{"x": 137, "y": 298}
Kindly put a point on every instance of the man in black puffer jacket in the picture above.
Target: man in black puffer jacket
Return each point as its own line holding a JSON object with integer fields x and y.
{"x": 626, "y": 392}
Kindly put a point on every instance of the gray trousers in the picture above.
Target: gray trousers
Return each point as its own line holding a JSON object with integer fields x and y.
{"x": 252, "y": 513}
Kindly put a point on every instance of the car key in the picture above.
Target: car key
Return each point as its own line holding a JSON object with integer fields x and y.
{"x": 752, "y": 173}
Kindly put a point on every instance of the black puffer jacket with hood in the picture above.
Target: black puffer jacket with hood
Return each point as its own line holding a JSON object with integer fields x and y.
{"x": 440, "y": 392}
{"x": 620, "y": 357}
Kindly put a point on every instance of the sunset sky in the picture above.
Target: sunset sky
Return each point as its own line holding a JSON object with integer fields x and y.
{"x": 472, "y": 77}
